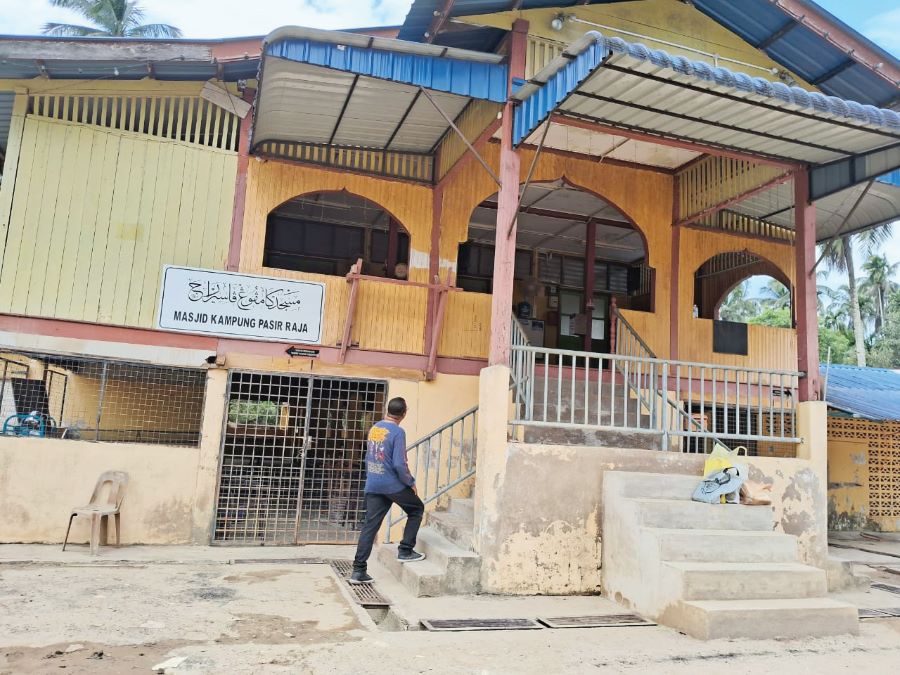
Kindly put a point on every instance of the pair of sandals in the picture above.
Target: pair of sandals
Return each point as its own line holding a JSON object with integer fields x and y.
{"x": 725, "y": 483}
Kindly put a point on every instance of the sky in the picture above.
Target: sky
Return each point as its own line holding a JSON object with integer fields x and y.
{"x": 877, "y": 19}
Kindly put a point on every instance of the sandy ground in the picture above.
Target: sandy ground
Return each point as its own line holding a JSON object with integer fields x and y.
{"x": 137, "y": 607}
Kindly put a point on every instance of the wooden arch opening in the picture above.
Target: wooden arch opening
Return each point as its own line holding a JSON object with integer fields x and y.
{"x": 327, "y": 232}
{"x": 577, "y": 256}
{"x": 721, "y": 275}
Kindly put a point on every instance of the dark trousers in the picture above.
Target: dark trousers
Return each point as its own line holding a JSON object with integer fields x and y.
{"x": 377, "y": 507}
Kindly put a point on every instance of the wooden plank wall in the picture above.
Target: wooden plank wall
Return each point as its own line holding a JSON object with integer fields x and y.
{"x": 97, "y": 213}
{"x": 467, "y": 325}
{"x": 767, "y": 347}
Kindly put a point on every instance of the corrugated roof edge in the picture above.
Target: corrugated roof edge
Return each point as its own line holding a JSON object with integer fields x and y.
{"x": 385, "y": 44}
{"x": 722, "y": 77}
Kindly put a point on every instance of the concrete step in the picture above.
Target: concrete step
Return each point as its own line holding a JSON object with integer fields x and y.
{"x": 745, "y": 581}
{"x": 680, "y": 514}
{"x": 658, "y": 485}
{"x": 725, "y": 546}
{"x": 597, "y": 438}
{"x": 763, "y": 619}
{"x": 446, "y": 570}
{"x": 457, "y": 524}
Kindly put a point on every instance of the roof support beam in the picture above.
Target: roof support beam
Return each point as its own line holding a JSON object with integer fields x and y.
{"x": 834, "y": 72}
{"x": 778, "y": 180}
{"x": 563, "y": 215}
{"x": 406, "y": 113}
{"x": 805, "y": 296}
{"x": 437, "y": 23}
{"x": 778, "y": 34}
{"x": 340, "y": 117}
{"x": 639, "y": 134}
{"x": 700, "y": 120}
{"x": 461, "y": 135}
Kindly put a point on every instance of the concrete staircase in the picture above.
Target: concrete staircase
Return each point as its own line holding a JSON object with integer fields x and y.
{"x": 711, "y": 571}
{"x": 450, "y": 566}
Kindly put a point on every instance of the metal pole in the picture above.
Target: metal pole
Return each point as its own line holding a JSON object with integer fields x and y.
{"x": 100, "y": 402}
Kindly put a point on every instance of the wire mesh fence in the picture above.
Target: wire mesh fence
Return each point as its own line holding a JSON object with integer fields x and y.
{"x": 293, "y": 458}
{"x": 53, "y": 396}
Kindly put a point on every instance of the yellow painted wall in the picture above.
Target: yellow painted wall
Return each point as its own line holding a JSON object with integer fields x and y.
{"x": 271, "y": 183}
{"x": 643, "y": 196}
{"x": 863, "y": 464}
{"x": 96, "y": 214}
{"x": 668, "y": 20}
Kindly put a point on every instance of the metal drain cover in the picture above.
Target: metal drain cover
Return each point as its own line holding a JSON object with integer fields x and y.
{"x": 365, "y": 595}
{"x": 868, "y": 613}
{"x": 886, "y": 587}
{"x": 890, "y": 611}
{"x": 480, "y": 624}
{"x": 599, "y": 621}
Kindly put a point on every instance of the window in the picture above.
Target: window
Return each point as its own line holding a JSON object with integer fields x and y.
{"x": 326, "y": 233}
{"x": 475, "y": 266}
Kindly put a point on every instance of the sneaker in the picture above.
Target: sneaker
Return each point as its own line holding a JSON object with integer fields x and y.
{"x": 360, "y": 578}
{"x": 412, "y": 556}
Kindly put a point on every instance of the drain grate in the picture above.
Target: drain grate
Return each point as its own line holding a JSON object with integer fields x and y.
{"x": 887, "y": 587}
{"x": 364, "y": 594}
{"x": 868, "y": 613}
{"x": 279, "y": 561}
{"x": 599, "y": 621}
{"x": 480, "y": 624}
{"x": 890, "y": 611}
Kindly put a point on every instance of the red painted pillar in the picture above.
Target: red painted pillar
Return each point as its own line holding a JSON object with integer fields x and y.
{"x": 807, "y": 319}
{"x": 434, "y": 265}
{"x": 240, "y": 187}
{"x": 590, "y": 252}
{"x": 674, "y": 309}
{"x": 507, "y": 204}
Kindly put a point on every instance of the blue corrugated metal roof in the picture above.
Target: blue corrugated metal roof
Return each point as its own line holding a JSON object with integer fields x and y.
{"x": 799, "y": 50}
{"x": 470, "y": 78}
{"x": 872, "y": 393}
{"x": 892, "y": 178}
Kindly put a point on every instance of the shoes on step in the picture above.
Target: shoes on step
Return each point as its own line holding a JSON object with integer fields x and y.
{"x": 360, "y": 578}
{"x": 412, "y": 556}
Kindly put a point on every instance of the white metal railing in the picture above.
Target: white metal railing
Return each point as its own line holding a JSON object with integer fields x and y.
{"x": 517, "y": 361}
{"x": 642, "y": 394}
{"x": 441, "y": 461}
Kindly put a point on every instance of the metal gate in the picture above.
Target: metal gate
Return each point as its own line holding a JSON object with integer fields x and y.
{"x": 292, "y": 466}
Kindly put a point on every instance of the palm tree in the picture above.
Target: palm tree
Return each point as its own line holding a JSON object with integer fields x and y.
{"x": 776, "y": 295}
{"x": 878, "y": 285}
{"x": 737, "y": 306}
{"x": 839, "y": 257}
{"x": 109, "y": 18}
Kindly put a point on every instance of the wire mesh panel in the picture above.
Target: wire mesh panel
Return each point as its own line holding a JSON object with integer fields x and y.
{"x": 292, "y": 467}
{"x": 341, "y": 413}
{"x": 262, "y": 458}
{"x": 100, "y": 400}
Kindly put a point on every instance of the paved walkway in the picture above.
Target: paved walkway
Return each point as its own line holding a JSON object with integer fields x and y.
{"x": 274, "y": 610}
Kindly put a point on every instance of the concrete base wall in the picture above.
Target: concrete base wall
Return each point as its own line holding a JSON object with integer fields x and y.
{"x": 548, "y": 537}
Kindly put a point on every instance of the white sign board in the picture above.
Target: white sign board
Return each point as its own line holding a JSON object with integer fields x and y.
{"x": 245, "y": 306}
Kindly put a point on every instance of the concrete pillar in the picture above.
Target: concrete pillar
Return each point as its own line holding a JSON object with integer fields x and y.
{"x": 807, "y": 318}
{"x": 490, "y": 460}
{"x": 204, "y": 502}
{"x": 812, "y": 428}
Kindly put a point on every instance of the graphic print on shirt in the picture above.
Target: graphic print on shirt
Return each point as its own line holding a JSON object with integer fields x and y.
{"x": 375, "y": 452}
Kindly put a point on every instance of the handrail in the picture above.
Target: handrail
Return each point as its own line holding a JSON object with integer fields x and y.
{"x": 620, "y": 319}
{"x": 752, "y": 404}
{"x": 437, "y": 474}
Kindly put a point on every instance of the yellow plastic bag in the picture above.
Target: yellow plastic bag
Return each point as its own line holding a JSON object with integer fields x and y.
{"x": 721, "y": 458}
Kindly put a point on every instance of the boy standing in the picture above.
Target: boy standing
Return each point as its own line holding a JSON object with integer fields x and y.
{"x": 388, "y": 482}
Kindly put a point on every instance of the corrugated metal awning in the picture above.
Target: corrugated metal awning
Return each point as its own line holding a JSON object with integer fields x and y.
{"x": 343, "y": 90}
{"x": 627, "y": 86}
{"x": 871, "y": 393}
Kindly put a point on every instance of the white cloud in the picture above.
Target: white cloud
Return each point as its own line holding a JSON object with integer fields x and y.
{"x": 884, "y": 30}
{"x": 222, "y": 18}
